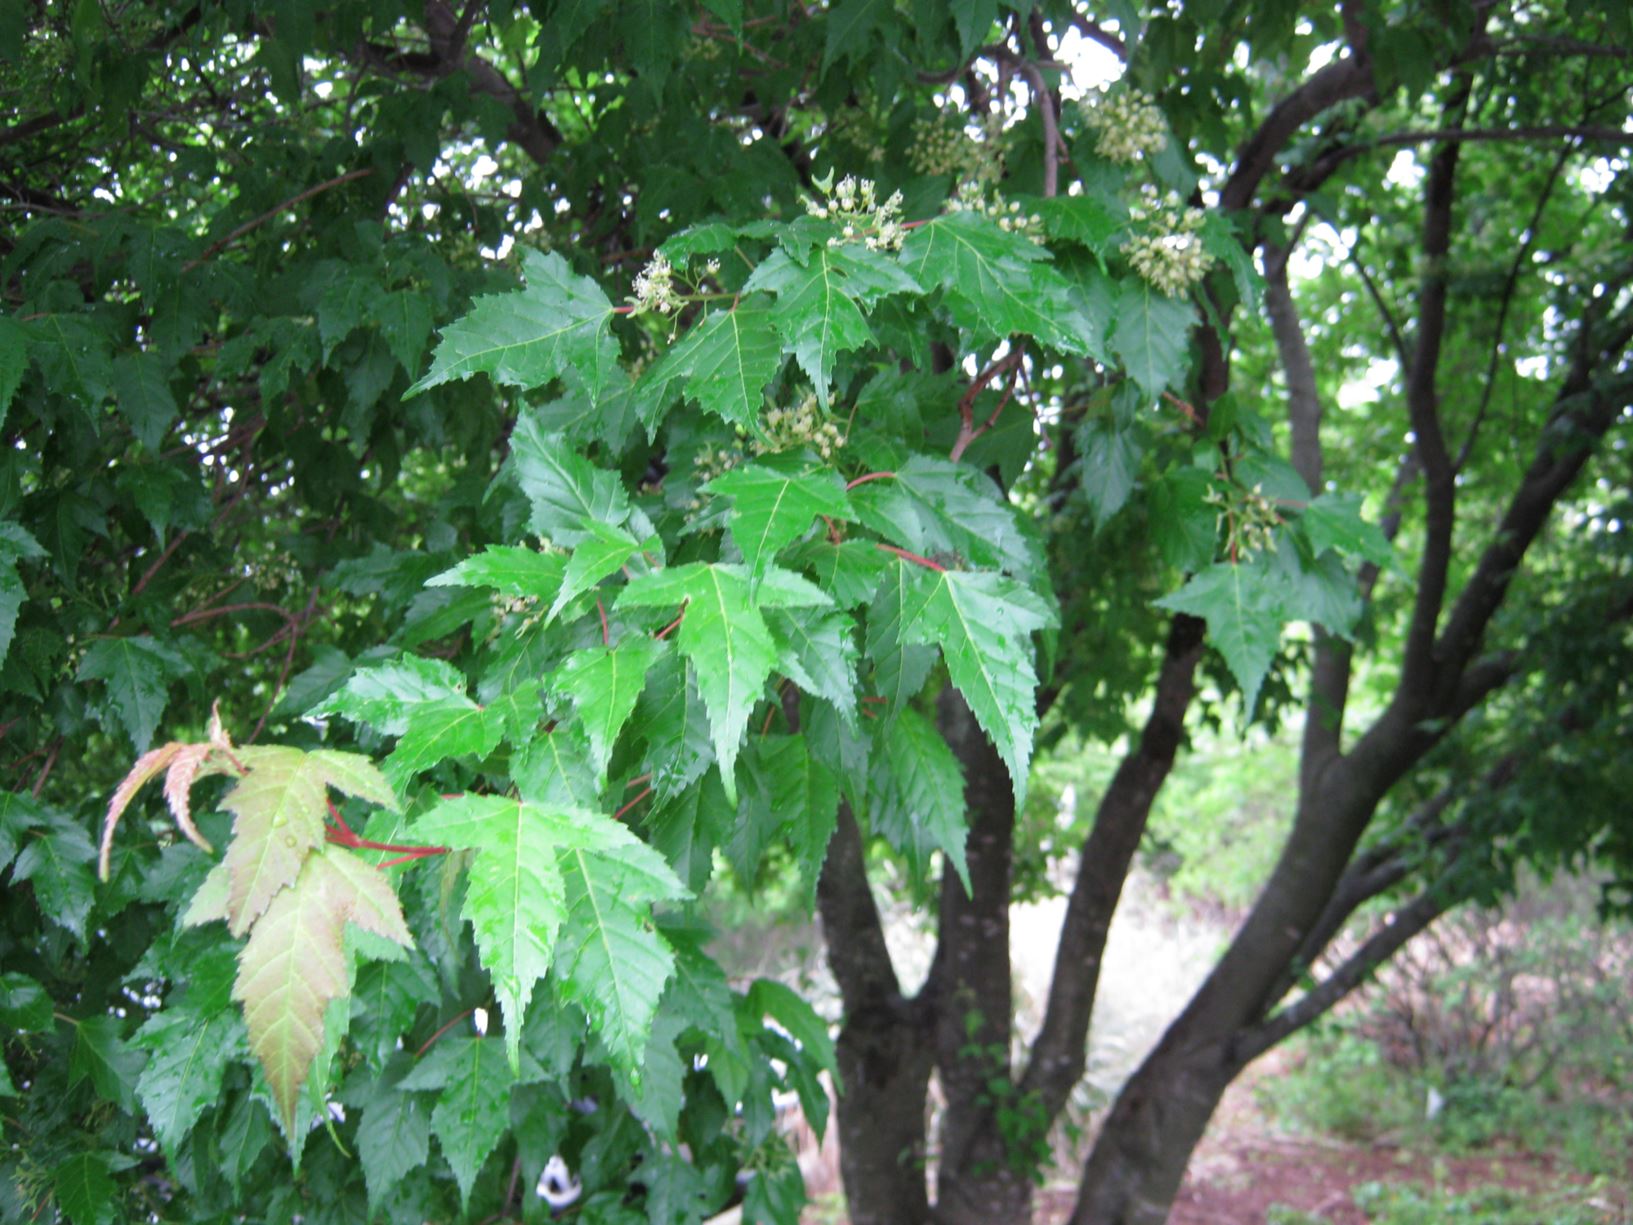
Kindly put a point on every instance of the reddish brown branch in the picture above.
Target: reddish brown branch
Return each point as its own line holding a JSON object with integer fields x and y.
{"x": 912, "y": 557}
{"x": 968, "y": 432}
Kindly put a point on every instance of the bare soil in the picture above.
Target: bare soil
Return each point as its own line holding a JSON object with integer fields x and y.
{"x": 1244, "y": 1167}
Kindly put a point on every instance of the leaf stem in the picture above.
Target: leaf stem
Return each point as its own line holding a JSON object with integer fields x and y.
{"x": 664, "y": 632}
{"x": 619, "y": 815}
{"x": 427, "y": 1044}
{"x": 912, "y": 557}
{"x": 869, "y": 476}
{"x": 601, "y": 608}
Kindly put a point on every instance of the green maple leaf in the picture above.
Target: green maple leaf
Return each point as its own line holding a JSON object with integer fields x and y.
{"x": 393, "y": 1137}
{"x": 102, "y": 1056}
{"x": 817, "y": 651}
{"x": 144, "y": 398}
{"x": 137, "y": 673}
{"x": 805, "y": 795}
{"x": 513, "y": 570}
{"x": 245, "y": 1133}
{"x": 604, "y": 684}
{"x": 1333, "y": 521}
{"x": 819, "y": 306}
{"x": 472, "y": 1113}
{"x": 438, "y": 730}
{"x": 850, "y": 23}
{"x": 13, "y": 361}
{"x": 934, "y": 505}
{"x": 83, "y": 1186}
{"x": 190, "y": 1051}
{"x": 382, "y": 695}
{"x": 404, "y": 317}
{"x": 916, "y": 793}
{"x": 998, "y": 283}
{"x": 614, "y": 964}
{"x": 900, "y": 666}
{"x": 602, "y": 552}
{"x": 555, "y": 769}
{"x": 516, "y": 899}
{"x": 558, "y": 325}
{"x": 1152, "y": 335}
{"x": 1244, "y": 614}
{"x": 294, "y": 964}
{"x": 528, "y": 888}
{"x": 848, "y": 571}
{"x": 674, "y": 722}
{"x": 772, "y": 507}
{"x": 724, "y": 363}
{"x": 983, "y": 623}
{"x": 57, "y": 861}
{"x": 725, "y": 636}
{"x": 563, "y": 487}
{"x": 278, "y": 810}
{"x": 687, "y": 829}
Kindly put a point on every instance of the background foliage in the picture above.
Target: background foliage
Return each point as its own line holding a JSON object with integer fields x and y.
{"x": 582, "y": 449}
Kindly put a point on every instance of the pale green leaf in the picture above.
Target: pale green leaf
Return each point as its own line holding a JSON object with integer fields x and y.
{"x": 1152, "y": 336}
{"x": 916, "y": 793}
{"x": 137, "y": 672}
{"x": 773, "y": 506}
{"x": 998, "y": 283}
{"x": 1244, "y": 615}
{"x": 604, "y": 683}
{"x": 726, "y": 638}
{"x": 614, "y": 964}
{"x": 295, "y": 964}
{"x": 725, "y": 362}
{"x": 602, "y": 552}
{"x": 559, "y": 324}
{"x": 436, "y": 731}
{"x": 563, "y": 487}
{"x": 983, "y": 623}
{"x": 515, "y": 900}
{"x": 511, "y": 569}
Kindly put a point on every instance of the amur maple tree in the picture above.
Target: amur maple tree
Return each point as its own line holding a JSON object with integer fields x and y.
{"x": 532, "y": 467}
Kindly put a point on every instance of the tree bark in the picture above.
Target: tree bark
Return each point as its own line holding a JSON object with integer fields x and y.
{"x": 982, "y": 1178}
{"x": 884, "y": 1049}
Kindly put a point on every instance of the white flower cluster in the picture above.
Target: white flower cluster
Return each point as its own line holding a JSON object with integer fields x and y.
{"x": 1169, "y": 254}
{"x": 655, "y": 287}
{"x": 801, "y": 426}
{"x": 973, "y": 198}
{"x": 861, "y": 215}
{"x": 1130, "y": 124}
{"x": 1249, "y": 518}
{"x": 942, "y": 147}
{"x": 712, "y": 462}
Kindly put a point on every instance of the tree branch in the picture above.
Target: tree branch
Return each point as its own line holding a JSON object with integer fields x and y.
{"x": 1423, "y": 408}
{"x": 1057, "y": 1056}
{"x": 1506, "y": 300}
{"x": 857, "y": 954}
{"x": 1398, "y": 928}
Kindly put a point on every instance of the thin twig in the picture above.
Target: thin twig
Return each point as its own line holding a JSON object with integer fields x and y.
{"x": 233, "y": 236}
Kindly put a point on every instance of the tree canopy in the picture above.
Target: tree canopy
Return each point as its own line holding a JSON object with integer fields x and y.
{"x": 504, "y": 472}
